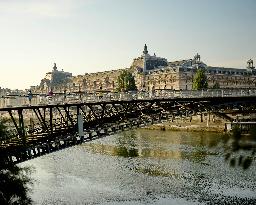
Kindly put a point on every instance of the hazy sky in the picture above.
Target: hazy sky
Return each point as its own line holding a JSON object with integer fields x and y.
{"x": 96, "y": 35}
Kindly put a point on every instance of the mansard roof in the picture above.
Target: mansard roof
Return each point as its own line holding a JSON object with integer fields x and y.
{"x": 187, "y": 63}
{"x": 233, "y": 71}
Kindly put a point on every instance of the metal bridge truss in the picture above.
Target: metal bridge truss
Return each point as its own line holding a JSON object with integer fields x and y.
{"x": 36, "y": 130}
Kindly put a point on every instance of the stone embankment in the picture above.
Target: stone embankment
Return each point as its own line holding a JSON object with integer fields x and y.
{"x": 195, "y": 124}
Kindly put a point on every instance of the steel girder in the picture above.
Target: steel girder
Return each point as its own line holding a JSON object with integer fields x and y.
{"x": 37, "y": 124}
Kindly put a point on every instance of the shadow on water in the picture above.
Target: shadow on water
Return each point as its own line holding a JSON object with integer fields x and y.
{"x": 15, "y": 181}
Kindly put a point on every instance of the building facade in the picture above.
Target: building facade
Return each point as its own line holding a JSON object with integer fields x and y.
{"x": 54, "y": 80}
{"x": 152, "y": 73}
{"x": 179, "y": 75}
{"x": 90, "y": 82}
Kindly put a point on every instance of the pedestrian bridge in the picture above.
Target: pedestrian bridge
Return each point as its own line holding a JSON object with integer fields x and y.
{"x": 53, "y": 124}
{"x": 12, "y": 100}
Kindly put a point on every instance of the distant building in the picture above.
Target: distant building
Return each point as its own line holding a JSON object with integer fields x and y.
{"x": 147, "y": 62}
{"x": 90, "y": 82}
{"x": 53, "y": 80}
{"x": 178, "y": 75}
{"x": 152, "y": 73}
{"x": 5, "y": 91}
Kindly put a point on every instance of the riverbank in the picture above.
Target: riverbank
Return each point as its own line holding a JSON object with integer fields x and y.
{"x": 194, "y": 124}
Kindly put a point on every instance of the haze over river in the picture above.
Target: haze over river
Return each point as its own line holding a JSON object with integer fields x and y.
{"x": 144, "y": 167}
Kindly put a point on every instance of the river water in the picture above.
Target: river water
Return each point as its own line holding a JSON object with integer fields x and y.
{"x": 144, "y": 167}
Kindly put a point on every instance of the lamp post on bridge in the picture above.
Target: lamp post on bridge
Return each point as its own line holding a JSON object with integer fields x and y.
{"x": 65, "y": 94}
{"x": 80, "y": 123}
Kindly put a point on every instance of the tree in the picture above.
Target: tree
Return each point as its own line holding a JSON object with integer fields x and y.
{"x": 126, "y": 81}
{"x": 3, "y": 129}
{"x": 15, "y": 181}
{"x": 216, "y": 86}
{"x": 200, "y": 80}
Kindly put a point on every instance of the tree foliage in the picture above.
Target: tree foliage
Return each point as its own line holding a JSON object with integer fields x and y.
{"x": 216, "y": 86}
{"x": 15, "y": 183}
{"x": 3, "y": 129}
{"x": 14, "y": 180}
{"x": 126, "y": 82}
{"x": 200, "y": 80}
{"x": 252, "y": 132}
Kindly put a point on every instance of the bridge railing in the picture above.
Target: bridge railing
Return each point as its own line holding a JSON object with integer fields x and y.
{"x": 6, "y": 101}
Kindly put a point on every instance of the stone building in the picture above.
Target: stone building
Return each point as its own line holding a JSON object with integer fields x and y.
{"x": 147, "y": 62}
{"x": 152, "y": 73}
{"x": 54, "y": 80}
{"x": 178, "y": 75}
{"x": 90, "y": 82}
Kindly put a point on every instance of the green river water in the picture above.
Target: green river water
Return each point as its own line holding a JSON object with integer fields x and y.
{"x": 145, "y": 167}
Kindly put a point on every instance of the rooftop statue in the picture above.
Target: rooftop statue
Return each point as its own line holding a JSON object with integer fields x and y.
{"x": 197, "y": 57}
{"x": 145, "y": 51}
{"x": 54, "y": 66}
{"x": 250, "y": 63}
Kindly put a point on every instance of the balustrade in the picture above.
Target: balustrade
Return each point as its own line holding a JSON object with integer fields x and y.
{"x": 14, "y": 101}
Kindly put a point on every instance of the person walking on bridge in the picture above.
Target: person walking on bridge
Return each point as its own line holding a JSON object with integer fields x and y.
{"x": 30, "y": 96}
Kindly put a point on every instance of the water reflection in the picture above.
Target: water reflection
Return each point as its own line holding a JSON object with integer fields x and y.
{"x": 239, "y": 148}
{"x": 144, "y": 145}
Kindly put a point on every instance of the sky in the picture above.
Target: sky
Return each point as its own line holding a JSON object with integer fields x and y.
{"x": 84, "y": 36}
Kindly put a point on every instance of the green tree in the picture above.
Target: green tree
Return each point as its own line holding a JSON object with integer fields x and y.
{"x": 14, "y": 183}
{"x": 216, "y": 86}
{"x": 3, "y": 129}
{"x": 14, "y": 180}
{"x": 200, "y": 80}
{"x": 252, "y": 132}
{"x": 126, "y": 81}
